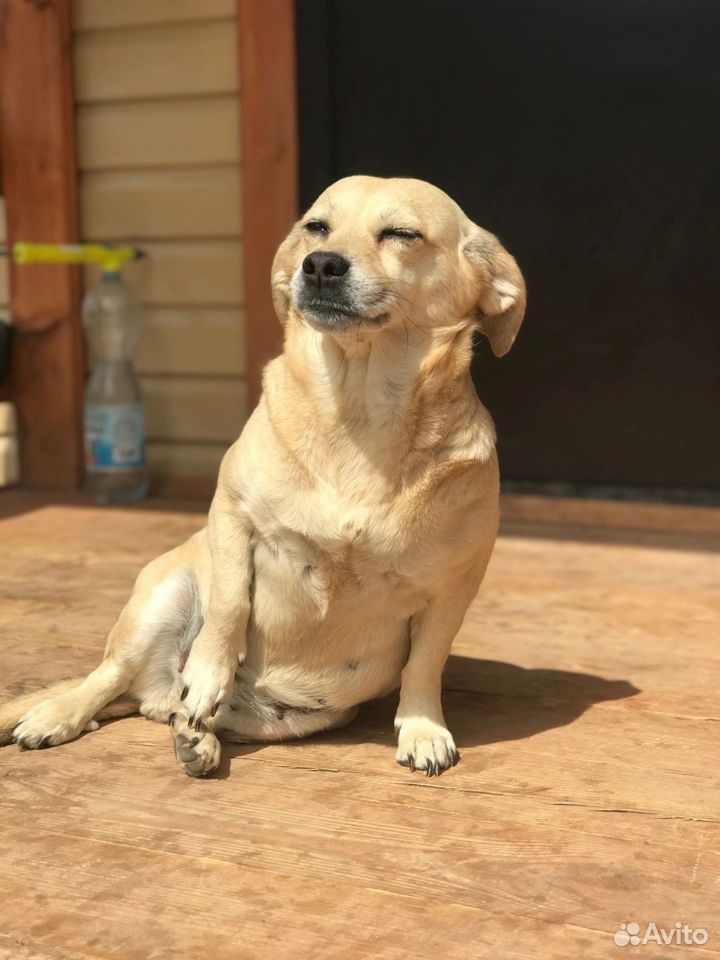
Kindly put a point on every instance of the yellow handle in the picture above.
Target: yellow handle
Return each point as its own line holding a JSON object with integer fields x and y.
{"x": 110, "y": 259}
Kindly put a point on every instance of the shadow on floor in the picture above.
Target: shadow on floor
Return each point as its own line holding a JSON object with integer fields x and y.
{"x": 485, "y": 701}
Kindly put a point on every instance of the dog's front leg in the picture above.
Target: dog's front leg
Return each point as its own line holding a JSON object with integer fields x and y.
{"x": 221, "y": 644}
{"x": 424, "y": 742}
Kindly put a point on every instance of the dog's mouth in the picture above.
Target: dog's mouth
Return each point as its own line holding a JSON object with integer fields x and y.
{"x": 333, "y": 313}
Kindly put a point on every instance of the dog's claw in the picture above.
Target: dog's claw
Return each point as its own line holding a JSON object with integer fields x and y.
{"x": 185, "y": 692}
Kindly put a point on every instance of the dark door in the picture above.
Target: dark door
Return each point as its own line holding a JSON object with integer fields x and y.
{"x": 587, "y": 136}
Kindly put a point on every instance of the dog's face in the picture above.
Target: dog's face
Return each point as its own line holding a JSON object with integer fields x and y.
{"x": 375, "y": 253}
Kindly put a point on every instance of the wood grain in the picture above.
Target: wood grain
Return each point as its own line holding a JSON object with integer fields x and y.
{"x": 186, "y": 273}
{"x": 582, "y": 691}
{"x": 108, "y": 14}
{"x": 150, "y": 64}
{"x": 195, "y": 341}
{"x": 39, "y": 182}
{"x": 160, "y": 204}
{"x": 184, "y": 469}
{"x": 610, "y": 514}
{"x": 164, "y": 133}
{"x": 268, "y": 97}
{"x": 209, "y": 410}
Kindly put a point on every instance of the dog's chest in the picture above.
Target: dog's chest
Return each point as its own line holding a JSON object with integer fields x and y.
{"x": 329, "y": 549}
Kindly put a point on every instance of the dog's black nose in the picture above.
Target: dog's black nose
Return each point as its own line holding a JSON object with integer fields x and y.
{"x": 324, "y": 266}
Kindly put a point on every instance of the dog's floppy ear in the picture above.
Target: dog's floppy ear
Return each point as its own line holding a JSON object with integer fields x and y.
{"x": 282, "y": 270}
{"x": 499, "y": 286}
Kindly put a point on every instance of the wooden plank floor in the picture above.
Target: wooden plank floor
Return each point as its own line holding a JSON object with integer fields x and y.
{"x": 584, "y": 695}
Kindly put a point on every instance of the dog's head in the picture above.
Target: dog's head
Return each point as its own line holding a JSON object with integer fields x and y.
{"x": 373, "y": 253}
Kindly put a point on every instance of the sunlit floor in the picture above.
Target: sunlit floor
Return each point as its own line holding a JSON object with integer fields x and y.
{"x": 584, "y": 694}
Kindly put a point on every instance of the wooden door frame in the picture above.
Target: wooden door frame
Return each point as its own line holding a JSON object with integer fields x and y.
{"x": 38, "y": 159}
{"x": 269, "y": 165}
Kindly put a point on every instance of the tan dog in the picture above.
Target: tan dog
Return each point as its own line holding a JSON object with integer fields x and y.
{"x": 354, "y": 517}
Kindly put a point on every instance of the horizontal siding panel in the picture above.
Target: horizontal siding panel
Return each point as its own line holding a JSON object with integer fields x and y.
{"x": 187, "y": 273}
{"x": 158, "y": 133}
{"x": 178, "y": 60}
{"x": 99, "y": 14}
{"x": 157, "y": 204}
{"x": 204, "y": 342}
{"x": 197, "y": 410}
{"x": 186, "y": 462}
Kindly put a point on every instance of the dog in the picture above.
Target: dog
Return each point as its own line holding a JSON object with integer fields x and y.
{"x": 354, "y": 517}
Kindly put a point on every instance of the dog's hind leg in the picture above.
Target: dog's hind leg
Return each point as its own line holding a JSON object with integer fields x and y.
{"x": 142, "y": 661}
{"x": 63, "y": 716}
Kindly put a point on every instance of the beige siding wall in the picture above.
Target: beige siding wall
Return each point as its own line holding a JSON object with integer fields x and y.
{"x": 158, "y": 152}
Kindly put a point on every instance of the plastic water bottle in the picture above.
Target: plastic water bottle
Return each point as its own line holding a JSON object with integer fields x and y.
{"x": 114, "y": 420}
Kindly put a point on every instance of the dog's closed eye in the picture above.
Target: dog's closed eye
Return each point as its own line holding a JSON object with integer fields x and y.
{"x": 403, "y": 234}
{"x": 319, "y": 227}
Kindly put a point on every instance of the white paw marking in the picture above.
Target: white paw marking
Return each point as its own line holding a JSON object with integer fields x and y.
{"x": 208, "y": 684}
{"x": 425, "y": 745}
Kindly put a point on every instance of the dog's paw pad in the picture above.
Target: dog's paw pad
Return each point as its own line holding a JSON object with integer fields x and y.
{"x": 198, "y": 753}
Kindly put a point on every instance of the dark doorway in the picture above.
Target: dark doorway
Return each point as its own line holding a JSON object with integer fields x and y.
{"x": 586, "y": 136}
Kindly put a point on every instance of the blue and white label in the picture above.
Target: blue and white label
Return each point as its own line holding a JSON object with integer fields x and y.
{"x": 114, "y": 437}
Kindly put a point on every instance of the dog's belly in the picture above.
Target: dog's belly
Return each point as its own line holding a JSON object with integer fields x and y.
{"x": 327, "y": 633}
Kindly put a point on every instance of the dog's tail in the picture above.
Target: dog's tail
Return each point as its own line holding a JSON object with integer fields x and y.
{"x": 12, "y": 711}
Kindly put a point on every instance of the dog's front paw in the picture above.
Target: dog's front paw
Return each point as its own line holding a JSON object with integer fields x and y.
{"x": 425, "y": 745}
{"x": 208, "y": 681}
{"x": 197, "y": 753}
{"x": 48, "y": 724}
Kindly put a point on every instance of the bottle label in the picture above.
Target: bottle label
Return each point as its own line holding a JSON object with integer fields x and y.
{"x": 114, "y": 437}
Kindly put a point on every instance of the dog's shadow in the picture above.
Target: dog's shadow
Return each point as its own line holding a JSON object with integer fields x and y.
{"x": 485, "y": 701}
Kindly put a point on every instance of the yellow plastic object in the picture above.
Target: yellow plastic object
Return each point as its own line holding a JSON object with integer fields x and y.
{"x": 111, "y": 259}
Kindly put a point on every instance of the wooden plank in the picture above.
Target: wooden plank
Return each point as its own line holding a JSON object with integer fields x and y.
{"x": 9, "y": 461}
{"x": 146, "y": 64}
{"x": 8, "y": 419}
{"x": 103, "y": 14}
{"x": 200, "y": 342}
{"x": 200, "y": 409}
{"x": 578, "y": 804}
{"x": 168, "y": 133}
{"x": 609, "y": 514}
{"x": 270, "y": 156}
{"x": 201, "y": 273}
{"x": 185, "y": 469}
{"x": 160, "y": 204}
{"x": 39, "y": 182}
